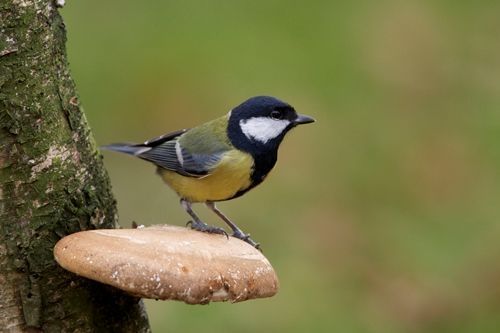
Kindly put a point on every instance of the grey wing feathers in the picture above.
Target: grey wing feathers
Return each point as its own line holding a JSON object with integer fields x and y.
{"x": 163, "y": 138}
{"x": 165, "y": 152}
{"x": 199, "y": 164}
{"x": 163, "y": 155}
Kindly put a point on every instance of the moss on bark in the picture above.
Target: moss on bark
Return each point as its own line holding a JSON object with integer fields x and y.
{"x": 52, "y": 183}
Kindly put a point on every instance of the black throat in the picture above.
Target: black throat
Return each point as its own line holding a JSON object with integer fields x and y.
{"x": 264, "y": 155}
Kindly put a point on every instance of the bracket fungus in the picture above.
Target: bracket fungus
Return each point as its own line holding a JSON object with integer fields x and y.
{"x": 167, "y": 262}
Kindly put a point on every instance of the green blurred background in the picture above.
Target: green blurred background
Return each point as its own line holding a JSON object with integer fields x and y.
{"x": 381, "y": 217}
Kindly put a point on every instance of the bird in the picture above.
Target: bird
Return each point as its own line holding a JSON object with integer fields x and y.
{"x": 221, "y": 159}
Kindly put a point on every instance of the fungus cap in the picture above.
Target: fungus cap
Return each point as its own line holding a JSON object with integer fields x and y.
{"x": 168, "y": 262}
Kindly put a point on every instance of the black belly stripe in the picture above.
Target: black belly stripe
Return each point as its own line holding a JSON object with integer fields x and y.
{"x": 263, "y": 164}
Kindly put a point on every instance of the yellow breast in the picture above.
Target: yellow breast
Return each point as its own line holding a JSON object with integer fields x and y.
{"x": 230, "y": 175}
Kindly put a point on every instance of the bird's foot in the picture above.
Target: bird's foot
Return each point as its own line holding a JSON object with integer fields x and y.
{"x": 203, "y": 227}
{"x": 246, "y": 238}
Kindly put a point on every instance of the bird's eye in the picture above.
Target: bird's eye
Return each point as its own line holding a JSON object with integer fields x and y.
{"x": 277, "y": 114}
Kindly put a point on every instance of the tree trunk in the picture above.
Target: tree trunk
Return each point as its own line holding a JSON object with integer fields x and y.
{"x": 52, "y": 183}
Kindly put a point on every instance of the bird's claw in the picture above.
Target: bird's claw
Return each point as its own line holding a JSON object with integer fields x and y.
{"x": 203, "y": 227}
{"x": 246, "y": 238}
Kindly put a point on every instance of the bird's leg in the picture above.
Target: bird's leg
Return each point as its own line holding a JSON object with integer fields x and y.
{"x": 197, "y": 224}
{"x": 237, "y": 232}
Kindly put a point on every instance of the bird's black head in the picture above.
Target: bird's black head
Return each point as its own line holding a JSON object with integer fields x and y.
{"x": 259, "y": 124}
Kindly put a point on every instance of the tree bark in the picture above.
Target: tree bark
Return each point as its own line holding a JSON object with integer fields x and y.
{"x": 52, "y": 183}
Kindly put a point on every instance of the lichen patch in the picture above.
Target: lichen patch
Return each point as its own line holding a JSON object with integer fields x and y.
{"x": 55, "y": 152}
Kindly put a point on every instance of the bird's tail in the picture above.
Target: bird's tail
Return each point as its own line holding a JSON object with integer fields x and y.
{"x": 127, "y": 148}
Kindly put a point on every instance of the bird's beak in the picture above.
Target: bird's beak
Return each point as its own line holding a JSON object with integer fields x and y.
{"x": 303, "y": 119}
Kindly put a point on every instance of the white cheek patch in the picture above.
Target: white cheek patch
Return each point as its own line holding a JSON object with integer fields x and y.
{"x": 263, "y": 129}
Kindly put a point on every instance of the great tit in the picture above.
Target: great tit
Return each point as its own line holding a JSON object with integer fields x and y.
{"x": 221, "y": 159}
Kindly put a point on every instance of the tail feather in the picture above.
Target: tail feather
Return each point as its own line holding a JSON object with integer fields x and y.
{"x": 127, "y": 148}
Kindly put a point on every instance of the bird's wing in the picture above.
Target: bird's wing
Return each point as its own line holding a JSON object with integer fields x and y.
{"x": 163, "y": 138}
{"x": 191, "y": 153}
